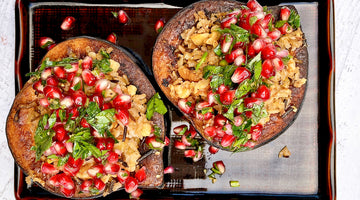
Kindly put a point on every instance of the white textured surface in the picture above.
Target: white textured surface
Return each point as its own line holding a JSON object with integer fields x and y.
{"x": 347, "y": 96}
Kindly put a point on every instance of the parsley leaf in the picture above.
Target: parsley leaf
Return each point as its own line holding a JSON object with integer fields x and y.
{"x": 294, "y": 19}
{"x": 216, "y": 81}
{"x": 252, "y": 20}
{"x": 230, "y": 113}
{"x": 211, "y": 70}
{"x": 155, "y": 104}
{"x": 217, "y": 50}
{"x": 280, "y": 23}
{"x": 43, "y": 137}
{"x": 99, "y": 120}
{"x": 243, "y": 88}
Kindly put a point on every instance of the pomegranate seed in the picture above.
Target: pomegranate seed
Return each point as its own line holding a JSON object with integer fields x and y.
{"x": 202, "y": 105}
{"x": 69, "y": 146}
{"x": 97, "y": 98}
{"x": 122, "y": 175}
{"x": 102, "y": 85}
{"x": 123, "y": 17}
{"x": 286, "y": 28}
{"x": 88, "y": 77}
{"x": 227, "y": 97}
{"x": 54, "y": 180}
{"x": 213, "y": 150}
{"x": 66, "y": 182}
{"x": 60, "y": 148}
{"x": 189, "y": 153}
{"x": 256, "y": 132}
{"x": 96, "y": 134}
{"x": 111, "y": 168}
{"x": 278, "y": 64}
{"x": 268, "y": 52}
{"x": 159, "y": 25}
{"x": 52, "y": 92}
{"x": 112, "y": 38}
{"x": 67, "y": 192}
{"x": 220, "y": 120}
{"x": 76, "y": 84}
{"x": 265, "y": 22}
{"x": 197, "y": 156}
{"x": 222, "y": 89}
{"x": 181, "y": 129}
{"x": 122, "y": 101}
{"x": 106, "y": 106}
{"x": 219, "y": 132}
{"x": 46, "y": 73}
{"x": 248, "y": 114}
{"x": 131, "y": 184}
{"x": 206, "y": 116}
{"x": 219, "y": 167}
{"x": 274, "y": 34}
{"x": 210, "y": 131}
{"x": 52, "y": 80}
{"x": 211, "y": 97}
{"x": 240, "y": 74}
{"x": 258, "y": 45}
{"x": 234, "y": 54}
{"x": 240, "y": 60}
{"x": 45, "y": 42}
{"x": 109, "y": 143}
{"x": 192, "y": 132}
{"x": 47, "y": 168}
{"x": 169, "y": 170}
{"x": 263, "y": 92}
{"x": 68, "y": 23}
{"x": 140, "y": 175}
{"x": 113, "y": 157}
{"x": 238, "y": 120}
{"x": 44, "y": 102}
{"x": 79, "y": 97}
{"x": 60, "y": 132}
{"x": 185, "y": 106}
{"x": 249, "y": 144}
{"x": 99, "y": 184}
{"x": 234, "y": 13}
{"x": 244, "y": 23}
{"x": 251, "y": 51}
{"x": 179, "y": 145}
{"x": 226, "y": 42}
{"x": 267, "y": 69}
{"x": 136, "y": 194}
{"x": 185, "y": 141}
{"x": 254, "y": 5}
{"x": 74, "y": 68}
{"x": 87, "y": 63}
{"x": 73, "y": 112}
{"x": 258, "y": 30}
{"x": 249, "y": 102}
{"x": 228, "y": 129}
{"x": 284, "y": 13}
{"x": 101, "y": 144}
{"x": 96, "y": 170}
{"x": 226, "y": 23}
{"x": 85, "y": 185}
{"x": 282, "y": 53}
{"x": 166, "y": 141}
{"x": 227, "y": 140}
{"x": 60, "y": 72}
{"x": 123, "y": 116}
{"x": 66, "y": 102}
{"x": 38, "y": 87}
{"x": 72, "y": 167}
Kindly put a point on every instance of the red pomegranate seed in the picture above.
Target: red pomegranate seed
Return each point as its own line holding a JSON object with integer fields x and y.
{"x": 185, "y": 141}
{"x": 68, "y": 23}
{"x": 101, "y": 143}
{"x": 112, "y": 38}
{"x": 122, "y": 101}
{"x": 268, "y": 52}
{"x": 47, "y": 168}
{"x": 123, "y": 116}
{"x": 85, "y": 185}
{"x": 97, "y": 98}
{"x": 258, "y": 30}
{"x": 159, "y": 25}
{"x": 102, "y": 85}
{"x": 70, "y": 76}
{"x": 67, "y": 192}
{"x": 66, "y": 102}
{"x": 72, "y": 167}
{"x": 248, "y": 114}
{"x": 210, "y": 131}
{"x": 226, "y": 42}
{"x": 234, "y": 13}
{"x": 251, "y": 51}
{"x": 240, "y": 74}
{"x": 106, "y": 106}
{"x": 88, "y": 77}
{"x": 206, "y": 116}
{"x": 111, "y": 168}
{"x": 274, "y": 34}
{"x": 74, "y": 68}
{"x": 258, "y": 45}
{"x": 76, "y": 84}
{"x": 54, "y": 180}
{"x": 79, "y": 97}
{"x": 45, "y": 42}
{"x": 66, "y": 182}
{"x": 185, "y": 106}
{"x": 122, "y": 175}
{"x": 286, "y": 28}
{"x": 263, "y": 92}
{"x": 220, "y": 120}
{"x": 238, "y": 120}
{"x": 38, "y": 87}
{"x": 166, "y": 141}
{"x": 228, "y": 129}
{"x": 222, "y": 89}
{"x": 60, "y": 72}
{"x": 113, "y": 157}
{"x": 197, "y": 156}
{"x": 73, "y": 111}
{"x": 256, "y": 132}
{"x": 226, "y": 23}
{"x": 46, "y": 73}
{"x": 265, "y": 22}
{"x": 52, "y": 80}
{"x": 87, "y": 63}
{"x": 179, "y": 145}
{"x": 202, "y": 105}
{"x": 213, "y": 150}
{"x": 169, "y": 170}
{"x": 227, "y": 97}
{"x": 136, "y": 194}
{"x": 44, "y": 102}
{"x": 181, "y": 129}
{"x": 69, "y": 146}
{"x": 220, "y": 132}
{"x": 278, "y": 64}
{"x": 96, "y": 170}
{"x": 131, "y": 184}
{"x": 140, "y": 174}
{"x": 284, "y": 13}
{"x": 240, "y": 60}
{"x": 227, "y": 140}
{"x": 99, "y": 184}
{"x": 52, "y": 92}
{"x": 96, "y": 134}
{"x": 249, "y": 144}
{"x": 267, "y": 69}
{"x": 122, "y": 16}
{"x": 219, "y": 167}
{"x": 254, "y": 5}
{"x": 244, "y": 22}
{"x": 189, "y": 153}
{"x": 234, "y": 54}
{"x": 282, "y": 53}
{"x": 109, "y": 143}
{"x": 249, "y": 102}
{"x": 211, "y": 97}
{"x": 192, "y": 132}
{"x": 60, "y": 132}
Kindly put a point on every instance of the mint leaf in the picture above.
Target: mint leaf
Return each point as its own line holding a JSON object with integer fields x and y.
{"x": 230, "y": 113}
{"x": 211, "y": 70}
{"x": 243, "y": 88}
{"x": 250, "y": 65}
{"x": 52, "y": 120}
{"x": 228, "y": 72}
{"x": 280, "y": 23}
{"x": 43, "y": 137}
{"x": 217, "y": 50}
{"x": 155, "y": 104}
{"x": 294, "y": 19}
{"x": 257, "y": 69}
{"x": 253, "y": 20}
{"x": 216, "y": 81}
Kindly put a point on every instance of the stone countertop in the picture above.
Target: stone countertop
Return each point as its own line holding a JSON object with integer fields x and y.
{"x": 347, "y": 95}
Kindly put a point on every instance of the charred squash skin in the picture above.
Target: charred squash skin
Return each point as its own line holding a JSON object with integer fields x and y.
{"x": 23, "y": 118}
{"x": 164, "y": 62}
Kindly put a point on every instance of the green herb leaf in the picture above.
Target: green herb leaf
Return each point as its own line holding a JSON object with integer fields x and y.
{"x": 250, "y": 65}
{"x": 115, "y": 14}
{"x": 212, "y": 70}
{"x": 230, "y": 113}
{"x": 216, "y": 81}
{"x": 202, "y": 60}
{"x": 270, "y": 27}
{"x": 43, "y": 137}
{"x": 155, "y": 104}
{"x": 52, "y": 120}
{"x": 294, "y": 19}
{"x": 63, "y": 160}
{"x": 279, "y": 23}
{"x": 77, "y": 86}
{"x": 228, "y": 72}
{"x": 257, "y": 70}
{"x": 105, "y": 54}
{"x": 217, "y": 50}
{"x": 243, "y": 88}
{"x": 286, "y": 59}
{"x": 253, "y": 20}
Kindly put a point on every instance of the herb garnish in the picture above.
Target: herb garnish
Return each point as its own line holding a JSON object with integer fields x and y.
{"x": 155, "y": 104}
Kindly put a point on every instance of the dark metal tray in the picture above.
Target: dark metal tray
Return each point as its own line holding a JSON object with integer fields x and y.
{"x": 310, "y": 171}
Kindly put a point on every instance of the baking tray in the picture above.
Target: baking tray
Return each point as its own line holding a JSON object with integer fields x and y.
{"x": 310, "y": 171}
